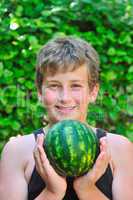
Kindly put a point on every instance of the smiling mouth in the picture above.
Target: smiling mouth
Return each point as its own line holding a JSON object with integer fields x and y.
{"x": 65, "y": 110}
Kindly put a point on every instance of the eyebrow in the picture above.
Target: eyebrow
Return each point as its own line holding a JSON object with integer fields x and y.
{"x": 52, "y": 81}
{"x": 77, "y": 80}
{"x": 56, "y": 81}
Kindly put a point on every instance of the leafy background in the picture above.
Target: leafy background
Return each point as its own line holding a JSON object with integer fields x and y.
{"x": 26, "y": 25}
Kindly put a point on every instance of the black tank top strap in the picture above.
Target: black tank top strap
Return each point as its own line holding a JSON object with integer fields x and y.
{"x": 100, "y": 133}
{"x": 105, "y": 182}
{"x": 38, "y": 131}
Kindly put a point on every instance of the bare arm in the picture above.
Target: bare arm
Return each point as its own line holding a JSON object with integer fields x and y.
{"x": 46, "y": 195}
{"x": 15, "y": 157}
{"x": 13, "y": 185}
{"x": 122, "y": 187}
{"x": 123, "y": 176}
{"x": 93, "y": 193}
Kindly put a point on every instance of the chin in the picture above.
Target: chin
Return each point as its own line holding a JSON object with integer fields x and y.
{"x": 57, "y": 117}
{"x": 66, "y": 118}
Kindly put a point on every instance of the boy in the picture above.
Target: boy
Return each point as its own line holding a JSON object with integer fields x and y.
{"x": 67, "y": 81}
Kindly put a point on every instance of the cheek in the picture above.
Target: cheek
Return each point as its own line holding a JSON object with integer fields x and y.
{"x": 49, "y": 98}
{"x": 80, "y": 97}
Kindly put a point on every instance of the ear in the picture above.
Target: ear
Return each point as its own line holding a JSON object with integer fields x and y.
{"x": 40, "y": 96}
{"x": 94, "y": 93}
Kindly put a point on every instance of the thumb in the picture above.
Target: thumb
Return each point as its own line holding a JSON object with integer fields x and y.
{"x": 40, "y": 139}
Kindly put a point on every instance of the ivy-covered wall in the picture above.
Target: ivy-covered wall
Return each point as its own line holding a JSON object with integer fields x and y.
{"x": 26, "y": 25}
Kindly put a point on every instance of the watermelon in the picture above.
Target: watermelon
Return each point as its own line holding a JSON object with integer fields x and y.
{"x": 71, "y": 147}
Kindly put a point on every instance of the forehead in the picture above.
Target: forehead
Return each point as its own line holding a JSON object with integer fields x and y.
{"x": 81, "y": 73}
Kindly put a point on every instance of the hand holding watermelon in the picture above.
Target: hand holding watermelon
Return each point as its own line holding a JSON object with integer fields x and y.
{"x": 55, "y": 184}
{"x": 89, "y": 180}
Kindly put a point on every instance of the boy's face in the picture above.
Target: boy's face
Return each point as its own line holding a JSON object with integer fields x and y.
{"x": 67, "y": 95}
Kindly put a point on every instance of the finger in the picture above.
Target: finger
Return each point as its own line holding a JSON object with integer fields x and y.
{"x": 104, "y": 152}
{"x": 40, "y": 139}
{"x": 46, "y": 164}
{"x": 103, "y": 144}
{"x": 104, "y": 147}
{"x": 44, "y": 159}
{"x": 37, "y": 155}
{"x": 38, "y": 162}
{"x": 102, "y": 162}
{"x": 99, "y": 167}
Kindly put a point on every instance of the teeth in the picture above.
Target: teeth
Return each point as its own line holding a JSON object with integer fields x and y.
{"x": 65, "y": 109}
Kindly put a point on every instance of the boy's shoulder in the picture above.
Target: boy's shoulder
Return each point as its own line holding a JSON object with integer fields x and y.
{"x": 22, "y": 141}
{"x": 118, "y": 139}
{"x": 121, "y": 147}
{"x": 19, "y": 148}
{"x": 118, "y": 143}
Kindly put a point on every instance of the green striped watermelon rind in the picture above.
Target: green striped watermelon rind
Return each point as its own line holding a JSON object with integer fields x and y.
{"x": 67, "y": 166}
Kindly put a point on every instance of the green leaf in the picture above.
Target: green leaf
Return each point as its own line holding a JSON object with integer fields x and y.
{"x": 130, "y": 70}
{"x": 1, "y": 69}
{"x": 111, "y": 75}
{"x": 16, "y": 125}
{"x": 111, "y": 51}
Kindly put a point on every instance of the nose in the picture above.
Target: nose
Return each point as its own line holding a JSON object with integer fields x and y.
{"x": 65, "y": 96}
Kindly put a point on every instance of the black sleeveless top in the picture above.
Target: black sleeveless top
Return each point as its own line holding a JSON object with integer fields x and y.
{"x": 36, "y": 184}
